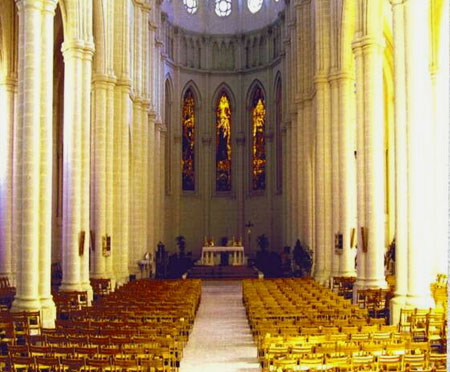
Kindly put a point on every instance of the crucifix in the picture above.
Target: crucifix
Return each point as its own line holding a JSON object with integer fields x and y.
{"x": 249, "y": 226}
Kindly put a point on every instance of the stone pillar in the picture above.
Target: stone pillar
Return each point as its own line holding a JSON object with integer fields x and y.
{"x": 76, "y": 167}
{"x": 401, "y": 186}
{"x": 8, "y": 91}
{"x": 135, "y": 189}
{"x": 101, "y": 174}
{"x": 418, "y": 93}
{"x": 368, "y": 49}
{"x": 360, "y": 163}
{"x": 335, "y": 175}
{"x": 85, "y": 215}
{"x": 347, "y": 177}
{"x": 33, "y": 170}
{"x": 319, "y": 174}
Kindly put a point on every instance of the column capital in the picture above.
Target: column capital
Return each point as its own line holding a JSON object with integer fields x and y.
{"x": 397, "y": 2}
{"x": 100, "y": 79}
{"x": 367, "y": 42}
{"x": 42, "y": 5}
{"x": 320, "y": 78}
{"x": 160, "y": 127}
{"x": 9, "y": 82}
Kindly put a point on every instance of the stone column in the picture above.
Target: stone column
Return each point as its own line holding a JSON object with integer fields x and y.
{"x": 418, "y": 93}
{"x": 321, "y": 84}
{"x": 360, "y": 162}
{"x": 8, "y": 91}
{"x": 401, "y": 184}
{"x": 347, "y": 177}
{"x": 285, "y": 186}
{"x": 33, "y": 177}
{"x": 73, "y": 52}
{"x": 86, "y": 164}
{"x": 335, "y": 175}
{"x": 136, "y": 252}
{"x": 101, "y": 169}
{"x": 374, "y": 160}
{"x": 109, "y": 186}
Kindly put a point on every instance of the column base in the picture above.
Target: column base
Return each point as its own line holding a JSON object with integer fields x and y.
{"x": 70, "y": 287}
{"x": 322, "y": 278}
{"x": 360, "y": 283}
{"x": 48, "y": 312}
{"x": 396, "y": 304}
{"x": 25, "y": 304}
{"x": 347, "y": 274}
{"x": 376, "y": 283}
{"x": 420, "y": 302}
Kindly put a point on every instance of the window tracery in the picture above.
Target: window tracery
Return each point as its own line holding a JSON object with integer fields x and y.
{"x": 254, "y": 5}
{"x": 223, "y": 8}
{"x": 191, "y": 6}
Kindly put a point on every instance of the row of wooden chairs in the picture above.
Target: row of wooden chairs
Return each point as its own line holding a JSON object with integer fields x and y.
{"x": 286, "y": 340}
{"x": 357, "y": 362}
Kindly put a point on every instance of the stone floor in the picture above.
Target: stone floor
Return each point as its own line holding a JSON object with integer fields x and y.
{"x": 220, "y": 340}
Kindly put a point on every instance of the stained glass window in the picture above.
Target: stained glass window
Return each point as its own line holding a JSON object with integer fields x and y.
{"x": 188, "y": 146}
{"x": 254, "y": 5}
{"x": 223, "y": 8}
{"x": 223, "y": 144}
{"x": 191, "y": 6}
{"x": 258, "y": 118}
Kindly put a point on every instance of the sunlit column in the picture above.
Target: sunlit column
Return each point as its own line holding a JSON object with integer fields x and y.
{"x": 32, "y": 179}
{"x": 418, "y": 112}
{"x": 440, "y": 83}
{"x": 374, "y": 162}
{"x": 307, "y": 180}
{"x": 319, "y": 175}
{"x": 109, "y": 184}
{"x": 136, "y": 252}
{"x": 86, "y": 164}
{"x": 335, "y": 175}
{"x": 401, "y": 186}
{"x": 148, "y": 148}
{"x": 72, "y": 167}
{"x": 347, "y": 173}
{"x": 295, "y": 215}
{"x": 48, "y": 308}
{"x": 99, "y": 198}
{"x": 360, "y": 166}
{"x": 8, "y": 91}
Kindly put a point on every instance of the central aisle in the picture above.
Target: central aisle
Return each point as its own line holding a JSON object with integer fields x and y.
{"x": 220, "y": 340}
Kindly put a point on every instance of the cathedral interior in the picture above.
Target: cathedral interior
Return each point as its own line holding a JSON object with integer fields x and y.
{"x": 130, "y": 128}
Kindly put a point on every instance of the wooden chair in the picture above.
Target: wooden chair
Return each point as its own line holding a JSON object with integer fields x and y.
{"x": 389, "y": 362}
{"x": 21, "y": 363}
{"x": 73, "y": 365}
{"x": 413, "y": 362}
{"x": 47, "y": 363}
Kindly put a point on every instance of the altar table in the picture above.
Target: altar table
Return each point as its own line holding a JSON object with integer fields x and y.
{"x": 211, "y": 255}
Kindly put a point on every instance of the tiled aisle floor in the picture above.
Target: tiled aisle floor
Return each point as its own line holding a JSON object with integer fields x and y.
{"x": 220, "y": 340}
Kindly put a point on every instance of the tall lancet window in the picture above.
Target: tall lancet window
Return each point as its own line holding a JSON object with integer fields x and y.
{"x": 223, "y": 144}
{"x": 188, "y": 149}
{"x": 258, "y": 118}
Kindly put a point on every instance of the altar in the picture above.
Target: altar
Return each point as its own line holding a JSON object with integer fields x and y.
{"x": 212, "y": 256}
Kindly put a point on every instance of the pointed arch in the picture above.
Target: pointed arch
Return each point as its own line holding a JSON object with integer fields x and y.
{"x": 256, "y": 103}
{"x": 194, "y": 88}
{"x": 223, "y": 87}
{"x": 223, "y": 109}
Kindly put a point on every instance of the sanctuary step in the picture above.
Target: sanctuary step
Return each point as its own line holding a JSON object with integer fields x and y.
{"x": 222, "y": 272}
